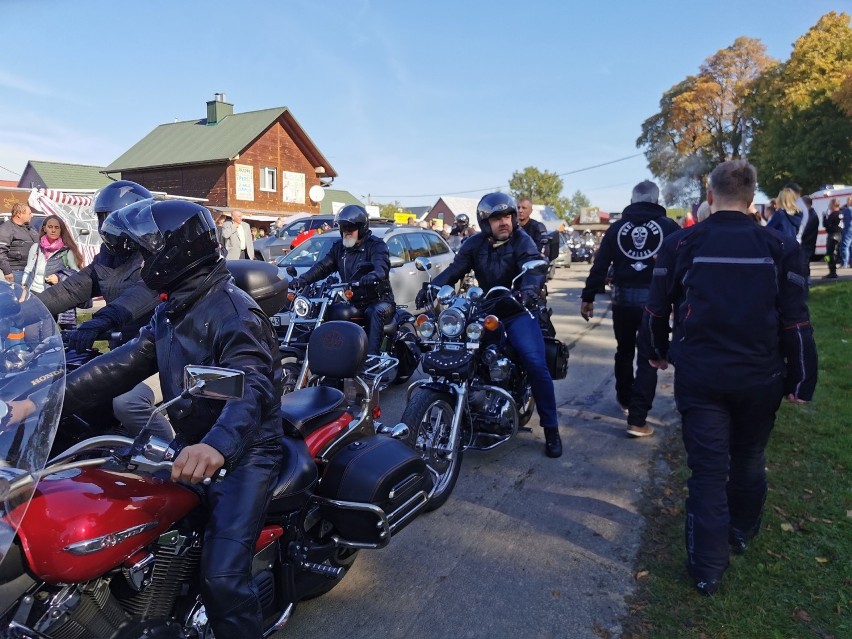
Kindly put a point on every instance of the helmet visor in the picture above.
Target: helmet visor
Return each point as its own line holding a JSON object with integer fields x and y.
{"x": 133, "y": 224}
{"x": 348, "y": 227}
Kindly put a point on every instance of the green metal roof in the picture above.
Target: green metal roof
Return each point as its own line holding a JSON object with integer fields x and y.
{"x": 58, "y": 175}
{"x": 196, "y": 142}
{"x": 336, "y": 195}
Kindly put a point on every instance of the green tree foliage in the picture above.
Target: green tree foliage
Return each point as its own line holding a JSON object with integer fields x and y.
{"x": 574, "y": 204}
{"x": 389, "y": 210}
{"x": 703, "y": 120}
{"x": 541, "y": 187}
{"x": 803, "y": 111}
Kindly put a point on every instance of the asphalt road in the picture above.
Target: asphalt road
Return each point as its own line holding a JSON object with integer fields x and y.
{"x": 526, "y": 546}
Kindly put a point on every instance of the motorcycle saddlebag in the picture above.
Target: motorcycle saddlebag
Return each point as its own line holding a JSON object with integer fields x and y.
{"x": 557, "y": 357}
{"x": 377, "y": 471}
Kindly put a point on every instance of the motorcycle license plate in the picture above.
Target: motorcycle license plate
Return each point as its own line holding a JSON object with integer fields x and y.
{"x": 276, "y": 320}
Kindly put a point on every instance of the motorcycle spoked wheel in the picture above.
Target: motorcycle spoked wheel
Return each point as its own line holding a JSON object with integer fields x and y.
{"x": 429, "y": 416}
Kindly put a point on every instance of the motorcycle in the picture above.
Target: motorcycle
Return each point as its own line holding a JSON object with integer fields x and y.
{"x": 98, "y": 542}
{"x": 477, "y": 395}
{"x": 329, "y": 300}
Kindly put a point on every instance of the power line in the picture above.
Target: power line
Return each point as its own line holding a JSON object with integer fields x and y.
{"x": 493, "y": 188}
{"x": 10, "y": 170}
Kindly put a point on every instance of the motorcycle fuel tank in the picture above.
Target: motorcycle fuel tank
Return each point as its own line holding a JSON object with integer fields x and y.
{"x": 82, "y": 523}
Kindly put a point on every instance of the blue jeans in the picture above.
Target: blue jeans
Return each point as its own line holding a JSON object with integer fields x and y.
{"x": 846, "y": 248}
{"x": 525, "y": 336}
{"x": 725, "y": 436}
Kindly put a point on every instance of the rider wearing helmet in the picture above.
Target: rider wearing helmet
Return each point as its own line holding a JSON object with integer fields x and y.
{"x": 359, "y": 256}
{"x": 114, "y": 276}
{"x": 462, "y": 228}
{"x": 496, "y": 255}
{"x": 205, "y": 318}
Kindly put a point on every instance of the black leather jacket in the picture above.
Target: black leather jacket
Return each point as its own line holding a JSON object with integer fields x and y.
{"x": 538, "y": 232}
{"x": 15, "y": 243}
{"x": 118, "y": 281}
{"x": 494, "y": 264}
{"x": 370, "y": 255}
{"x": 208, "y": 321}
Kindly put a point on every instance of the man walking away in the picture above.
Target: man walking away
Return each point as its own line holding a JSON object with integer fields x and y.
{"x": 741, "y": 341}
{"x": 630, "y": 246}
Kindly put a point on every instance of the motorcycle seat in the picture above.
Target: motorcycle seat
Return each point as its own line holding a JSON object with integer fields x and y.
{"x": 296, "y": 479}
{"x": 390, "y": 327}
{"x": 307, "y": 409}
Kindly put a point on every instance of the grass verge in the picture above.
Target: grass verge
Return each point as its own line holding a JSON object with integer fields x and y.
{"x": 795, "y": 581}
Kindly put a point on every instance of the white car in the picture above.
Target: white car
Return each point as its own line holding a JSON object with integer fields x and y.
{"x": 405, "y": 244}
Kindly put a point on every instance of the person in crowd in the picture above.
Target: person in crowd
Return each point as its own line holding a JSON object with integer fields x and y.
{"x": 769, "y": 211}
{"x": 462, "y": 228}
{"x": 809, "y": 237}
{"x": 703, "y": 212}
{"x": 629, "y": 247}
{"x": 237, "y": 238}
{"x": 219, "y": 219}
{"x": 261, "y": 233}
{"x": 54, "y": 256}
{"x": 253, "y": 232}
{"x": 359, "y": 256}
{"x": 832, "y": 237}
{"x": 688, "y": 220}
{"x": 741, "y": 341}
{"x": 16, "y": 239}
{"x": 787, "y": 218}
{"x": 846, "y": 236}
{"x": 803, "y": 215}
{"x": 535, "y": 229}
{"x": 242, "y": 435}
{"x": 116, "y": 276}
{"x": 496, "y": 255}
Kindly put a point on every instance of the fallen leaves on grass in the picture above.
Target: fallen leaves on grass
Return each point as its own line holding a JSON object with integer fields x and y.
{"x": 822, "y": 560}
{"x": 788, "y": 527}
{"x": 642, "y": 574}
{"x": 601, "y": 632}
{"x": 800, "y": 614}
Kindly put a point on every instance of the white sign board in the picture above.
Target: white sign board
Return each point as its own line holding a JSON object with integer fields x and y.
{"x": 245, "y": 182}
{"x": 293, "y": 187}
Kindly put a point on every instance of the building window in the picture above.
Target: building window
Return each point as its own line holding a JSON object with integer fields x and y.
{"x": 268, "y": 178}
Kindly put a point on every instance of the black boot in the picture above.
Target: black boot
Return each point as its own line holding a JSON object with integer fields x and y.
{"x": 552, "y": 442}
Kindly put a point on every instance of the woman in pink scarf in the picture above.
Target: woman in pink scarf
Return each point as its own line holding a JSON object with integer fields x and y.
{"x": 53, "y": 256}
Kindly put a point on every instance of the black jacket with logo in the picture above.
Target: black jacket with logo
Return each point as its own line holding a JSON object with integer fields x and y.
{"x": 738, "y": 296}
{"x": 630, "y": 246}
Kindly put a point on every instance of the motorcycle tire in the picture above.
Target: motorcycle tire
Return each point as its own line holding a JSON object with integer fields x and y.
{"x": 429, "y": 416}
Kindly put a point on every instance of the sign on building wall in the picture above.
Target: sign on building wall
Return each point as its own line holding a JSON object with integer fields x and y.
{"x": 293, "y": 187}
{"x": 245, "y": 182}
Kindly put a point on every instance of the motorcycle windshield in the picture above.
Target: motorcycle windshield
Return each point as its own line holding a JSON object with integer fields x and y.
{"x": 32, "y": 384}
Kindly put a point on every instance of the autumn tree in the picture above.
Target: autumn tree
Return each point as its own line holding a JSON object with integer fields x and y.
{"x": 541, "y": 187}
{"x": 703, "y": 120}
{"x": 389, "y": 211}
{"x": 803, "y": 111}
{"x": 574, "y": 204}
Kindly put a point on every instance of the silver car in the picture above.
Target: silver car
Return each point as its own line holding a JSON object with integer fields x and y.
{"x": 405, "y": 243}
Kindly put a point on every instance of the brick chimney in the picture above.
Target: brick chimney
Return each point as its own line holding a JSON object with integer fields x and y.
{"x": 218, "y": 109}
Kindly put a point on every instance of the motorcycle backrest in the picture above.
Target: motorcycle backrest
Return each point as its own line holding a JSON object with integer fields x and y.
{"x": 219, "y": 383}
{"x": 337, "y": 349}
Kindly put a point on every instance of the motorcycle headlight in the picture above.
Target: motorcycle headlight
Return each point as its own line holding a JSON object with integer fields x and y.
{"x": 301, "y": 307}
{"x": 427, "y": 329}
{"x": 451, "y": 322}
{"x": 474, "y": 331}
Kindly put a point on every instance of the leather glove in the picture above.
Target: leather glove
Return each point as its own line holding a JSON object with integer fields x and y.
{"x": 84, "y": 337}
{"x": 530, "y": 297}
{"x": 110, "y": 317}
{"x": 370, "y": 279}
{"x": 297, "y": 283}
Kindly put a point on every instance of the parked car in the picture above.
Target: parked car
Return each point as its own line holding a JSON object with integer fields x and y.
{"x": 269, "y": 249}
{"x": 405, "y": 243}
{"x": 563, "y": 258}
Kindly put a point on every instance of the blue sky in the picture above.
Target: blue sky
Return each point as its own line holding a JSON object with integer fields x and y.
{"x": 407, "y": 100}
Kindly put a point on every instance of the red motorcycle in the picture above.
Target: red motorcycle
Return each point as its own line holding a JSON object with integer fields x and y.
{"x": 99, "y": 542}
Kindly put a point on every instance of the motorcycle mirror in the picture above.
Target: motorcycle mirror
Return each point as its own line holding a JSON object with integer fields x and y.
{"x": 533, "y": 265}
{"x": 213, "y": 382}
{"x": 396, "y": 261}
{"x": 422, "y": 264}
{"x": 291, "y": 271}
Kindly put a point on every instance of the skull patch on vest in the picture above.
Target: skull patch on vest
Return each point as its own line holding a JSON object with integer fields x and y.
{"x": 640, "y": 242}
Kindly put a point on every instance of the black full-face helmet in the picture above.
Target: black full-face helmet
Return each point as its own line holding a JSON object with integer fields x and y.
{"x": 462, "y": 220}
{"x": 353, "y": 217}
{"x": 175, "y": 238}
{"x": 496, "y": 205}
{"x": 117, "y": 195}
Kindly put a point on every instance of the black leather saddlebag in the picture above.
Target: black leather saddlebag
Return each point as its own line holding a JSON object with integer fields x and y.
{"x": 557, "y": 357}
{"x": 378, "y": 484}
